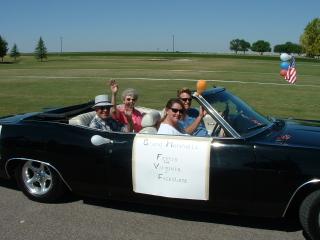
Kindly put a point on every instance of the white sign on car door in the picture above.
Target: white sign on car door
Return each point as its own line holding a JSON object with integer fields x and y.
{"x": 171, "y": 166}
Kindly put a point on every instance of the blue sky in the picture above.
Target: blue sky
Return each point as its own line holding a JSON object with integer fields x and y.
{"x": 148, "y": 25}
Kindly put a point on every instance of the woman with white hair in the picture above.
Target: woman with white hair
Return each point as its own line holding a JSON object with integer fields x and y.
{"x": 126, "y": 111}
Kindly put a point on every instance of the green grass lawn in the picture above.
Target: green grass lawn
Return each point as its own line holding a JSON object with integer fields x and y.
{"x": 29, "y": 85}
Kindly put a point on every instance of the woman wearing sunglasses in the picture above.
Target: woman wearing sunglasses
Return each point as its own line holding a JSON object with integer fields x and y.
{"x": 173, "y": 113}
{"x": 126, "y": 111}
{"x": 192, "y": 122}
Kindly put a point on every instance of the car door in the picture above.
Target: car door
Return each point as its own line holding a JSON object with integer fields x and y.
{"x": 230, "y": 171}
{"x": 95, "y": 162}
{"x": 232, "y": 174}
{"x": 82, "y": 164}
{"x": 118, "y": 154}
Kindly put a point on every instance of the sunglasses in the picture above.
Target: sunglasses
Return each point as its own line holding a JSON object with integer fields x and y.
{"x": 131, "y": 99}
{"x": 104, "y": 108}
{"x": 186, "y": 99}
{"x": 175, "y": 110}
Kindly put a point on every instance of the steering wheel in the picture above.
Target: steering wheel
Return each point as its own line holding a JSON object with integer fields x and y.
{"x": 225, "y": 115}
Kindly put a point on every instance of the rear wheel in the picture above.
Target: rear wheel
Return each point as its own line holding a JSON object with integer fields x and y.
{"x": 39, "y": 182}
{"x": 309, "y": 215}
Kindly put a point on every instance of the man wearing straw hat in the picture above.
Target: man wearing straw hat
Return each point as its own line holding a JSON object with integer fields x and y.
{"x": 103, "y": 119}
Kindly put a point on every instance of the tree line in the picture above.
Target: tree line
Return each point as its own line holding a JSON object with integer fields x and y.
{"x": 40, "y": 51}
{"x": 309, "y": 43}
{"x": 261, "y": 46}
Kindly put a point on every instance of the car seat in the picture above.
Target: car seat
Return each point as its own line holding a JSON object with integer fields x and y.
{"x": 149, "y": 122}
{"x": 82, "y": 119}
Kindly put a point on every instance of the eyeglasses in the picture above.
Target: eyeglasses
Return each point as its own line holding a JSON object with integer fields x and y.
{"x": 131, "y": 99}
{"x": 186, "y": 99}
{"x": 104, "y": 107}
{"x": 175, "y": 110}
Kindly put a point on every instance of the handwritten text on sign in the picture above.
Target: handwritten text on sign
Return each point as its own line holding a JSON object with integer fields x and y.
{"x": 171, "y": 166}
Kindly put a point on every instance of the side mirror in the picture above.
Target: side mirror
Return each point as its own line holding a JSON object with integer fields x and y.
{"x": 97, "y": 140}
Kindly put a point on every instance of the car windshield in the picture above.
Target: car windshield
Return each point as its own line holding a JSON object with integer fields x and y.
{"x": 240, "y": 116}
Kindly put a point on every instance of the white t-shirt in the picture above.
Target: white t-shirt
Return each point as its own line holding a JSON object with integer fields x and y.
{"x": 168, "y": 129}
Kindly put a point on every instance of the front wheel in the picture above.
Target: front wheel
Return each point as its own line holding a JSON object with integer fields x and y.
{"x": 309, "y": 215}
{"x": 39, "y": 182}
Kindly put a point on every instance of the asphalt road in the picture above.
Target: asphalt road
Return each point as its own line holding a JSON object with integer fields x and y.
{"x": 78, "y": 218}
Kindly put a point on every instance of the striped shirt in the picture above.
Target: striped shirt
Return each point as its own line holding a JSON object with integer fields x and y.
{"x": 109, "y": 124}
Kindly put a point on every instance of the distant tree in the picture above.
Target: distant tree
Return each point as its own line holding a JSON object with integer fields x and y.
{"x": 296, "y": 48}
{"x": 244, "y": 46}
{"x": 310, "y": 39}
{"x": 288, "y": 47}
{"x": 3, "y": 48}
{"x": 280, "y": 48}
{"x": 41, "y": 50}
{"x": 261, "y": 47}
{"x": 292, "y": 48}
{"x": 14, "y": 52}
{"x": 235, "y": 45}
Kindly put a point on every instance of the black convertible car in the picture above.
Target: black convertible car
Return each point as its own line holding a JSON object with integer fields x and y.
{"x": 250, "y": 164}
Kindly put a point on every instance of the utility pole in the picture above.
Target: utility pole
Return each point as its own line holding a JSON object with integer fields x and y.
{"x": 173, "y": 43}
{"x": 61, "y": 45}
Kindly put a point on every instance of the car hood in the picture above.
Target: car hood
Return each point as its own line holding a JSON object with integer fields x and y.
{"x": 304, "y": 133}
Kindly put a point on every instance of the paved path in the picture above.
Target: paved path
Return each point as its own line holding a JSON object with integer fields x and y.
{"x": 79, "y": 219}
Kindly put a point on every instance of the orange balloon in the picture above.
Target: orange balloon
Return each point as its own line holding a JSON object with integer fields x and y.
{"x": 201, "y": 86}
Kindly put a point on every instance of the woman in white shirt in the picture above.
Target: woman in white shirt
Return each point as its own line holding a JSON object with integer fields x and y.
{"x": 174, "y": 112}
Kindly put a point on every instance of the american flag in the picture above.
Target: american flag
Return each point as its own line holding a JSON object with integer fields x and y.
{"x": 291, "y": 75}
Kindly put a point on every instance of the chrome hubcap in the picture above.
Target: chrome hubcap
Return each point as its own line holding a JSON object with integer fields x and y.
{"x": 37, "y": 177}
